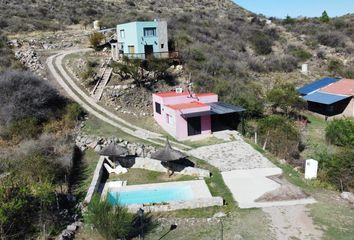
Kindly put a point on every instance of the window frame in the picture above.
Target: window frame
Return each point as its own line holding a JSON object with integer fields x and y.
{"x": 158, "y": 108}
{"x": 147, "y": 30}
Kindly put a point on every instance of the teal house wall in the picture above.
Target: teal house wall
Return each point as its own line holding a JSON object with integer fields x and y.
{"x": 134, "y": 36}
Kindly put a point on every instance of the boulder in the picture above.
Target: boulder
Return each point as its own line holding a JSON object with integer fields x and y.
{"x": 348, "y": 196}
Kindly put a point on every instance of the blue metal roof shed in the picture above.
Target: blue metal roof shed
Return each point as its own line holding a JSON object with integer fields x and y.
{"x": 316, "y": 85}
{"x": 324, "y": 98}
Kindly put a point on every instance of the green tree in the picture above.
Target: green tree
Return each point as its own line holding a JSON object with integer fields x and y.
{"x": 324, "y": 18}
{"x": 341, "y": 132}
{"x": 95, "y": 39}
{"x": 285, "y": 97}
{"x": 289, "y": 20}
{"x": 280, "y": 136}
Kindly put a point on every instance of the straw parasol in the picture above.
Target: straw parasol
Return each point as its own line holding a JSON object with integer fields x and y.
{"x": 167, "y": 155}
{"x": 113, "y": 150}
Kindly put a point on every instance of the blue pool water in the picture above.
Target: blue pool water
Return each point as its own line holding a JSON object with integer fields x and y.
{"x": 151, "y": 195}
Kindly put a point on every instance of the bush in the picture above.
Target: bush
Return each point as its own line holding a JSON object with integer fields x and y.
{"x": 331, "y": 39}
{"x": 95, "y": 39}
{"x": 261, "y": 42}
{"x": 341, "y": 132}
{"x": 280, "y": 136}
{"x": 114, "y": 222}
{"x": 301, "y": 54}
{"x": 338, "y": 168}
{"x": 26, "y": 98}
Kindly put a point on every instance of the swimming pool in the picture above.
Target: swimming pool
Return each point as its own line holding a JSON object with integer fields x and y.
{"x": 156, "y": 194}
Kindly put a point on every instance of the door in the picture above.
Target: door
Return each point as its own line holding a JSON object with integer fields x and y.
{"x": 194, "y": 126}
{"x": 149, "y": 51}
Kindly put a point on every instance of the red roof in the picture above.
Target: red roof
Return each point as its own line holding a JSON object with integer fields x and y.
{"x": 187, "y": 105}
{"x": 342, "y": 87}
{"x": 171, "y": 94}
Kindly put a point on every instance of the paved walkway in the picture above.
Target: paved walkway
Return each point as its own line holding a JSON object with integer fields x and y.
{"x": 55, "y": 66}
{"x": 246, "y": 172}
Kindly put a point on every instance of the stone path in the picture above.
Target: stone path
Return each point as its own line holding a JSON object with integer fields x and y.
{"x": 230, "y": 156}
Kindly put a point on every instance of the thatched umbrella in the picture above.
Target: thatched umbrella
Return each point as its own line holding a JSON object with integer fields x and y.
{"x": 167, "y": 155}
{"x": 113, "y": 150}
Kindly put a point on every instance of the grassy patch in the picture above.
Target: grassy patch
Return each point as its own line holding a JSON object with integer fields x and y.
{"x": 142, "y": 176}
{"x": 85, "y": 173}
{"x": 334, "y": 216}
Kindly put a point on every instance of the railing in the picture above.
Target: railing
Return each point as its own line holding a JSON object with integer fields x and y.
{"x": 164, "y": 55}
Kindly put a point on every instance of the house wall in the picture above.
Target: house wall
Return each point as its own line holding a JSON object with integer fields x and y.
{"x": 179, "y": 127}
{"x": 130, "y": 37}
{"x": 142, "y": 41}
{"x": 208, "y": 98}
{"x": 349, "y": 110}
{"x": 162, "y": 35}
{"x": 134, "y": 35}
{"x": 338, "y": 109}
{"x": 161, "y": 119}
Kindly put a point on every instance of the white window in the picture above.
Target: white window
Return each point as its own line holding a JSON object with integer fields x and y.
{"x": 122, "y": 33}
{"x": 149, "y": 32}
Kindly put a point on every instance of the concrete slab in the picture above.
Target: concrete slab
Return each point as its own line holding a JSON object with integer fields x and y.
{"x": 248, "y": 185}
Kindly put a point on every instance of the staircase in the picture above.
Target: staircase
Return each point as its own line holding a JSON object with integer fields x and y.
{"x": 104, "y": 75}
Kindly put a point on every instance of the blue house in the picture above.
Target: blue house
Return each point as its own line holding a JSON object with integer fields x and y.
{"x": 141, "y": 39}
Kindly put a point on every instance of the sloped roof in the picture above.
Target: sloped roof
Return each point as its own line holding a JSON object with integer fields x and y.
{"x": 224, "y": 108}
{"x": 342, "y": 87}
{"x": 308, "y": 88}
{"x": 324, "y": 98}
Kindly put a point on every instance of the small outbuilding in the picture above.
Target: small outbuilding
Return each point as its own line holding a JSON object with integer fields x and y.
{"x": 330, "y": 97}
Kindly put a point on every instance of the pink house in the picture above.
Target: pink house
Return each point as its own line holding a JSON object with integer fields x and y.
{"x": 183, "y": 115}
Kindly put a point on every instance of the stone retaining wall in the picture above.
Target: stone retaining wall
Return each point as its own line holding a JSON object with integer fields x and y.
{"x": 96, "y": 179}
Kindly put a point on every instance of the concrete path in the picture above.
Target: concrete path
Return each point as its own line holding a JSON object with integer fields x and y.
{"x": 55, "y": 66}
{"x": 247, "y": 186}
{"x": 246, "y": 172}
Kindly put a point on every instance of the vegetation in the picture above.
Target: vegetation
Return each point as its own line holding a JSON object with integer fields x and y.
{"x": 280, "y": 136}
{"x": 95, "y": 39}
{"x": 338, "y": 168}
{"x": 35, "y": 128}
{"x": 114, "y": 222}
{"x": 341, "y": 132}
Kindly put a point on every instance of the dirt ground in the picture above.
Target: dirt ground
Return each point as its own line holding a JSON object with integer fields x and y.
{"x": 293, "y": 222}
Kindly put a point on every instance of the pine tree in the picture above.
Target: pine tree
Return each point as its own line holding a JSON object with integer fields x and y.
{"x": 324, "y": 18}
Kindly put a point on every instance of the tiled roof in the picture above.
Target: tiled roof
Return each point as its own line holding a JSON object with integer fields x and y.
{"x": 187, "y": 105}
{"x": 342, "y": 87}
